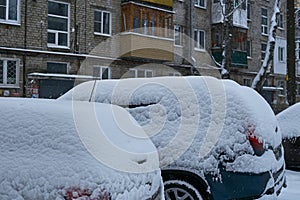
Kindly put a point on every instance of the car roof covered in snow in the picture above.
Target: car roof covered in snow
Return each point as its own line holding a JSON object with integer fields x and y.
{"x": 190, "y": 117}
{"x": 49, "y": 147}
{"x": 288, "y": 120}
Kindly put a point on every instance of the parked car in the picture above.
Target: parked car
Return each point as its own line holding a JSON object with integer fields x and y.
{"x": 289, "y": 124}
{"x": 50, "y": 150}
{"x": 216, "y": 139}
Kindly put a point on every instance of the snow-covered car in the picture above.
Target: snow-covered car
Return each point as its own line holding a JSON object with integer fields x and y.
{"x": 289, "y": 124}
{"x": 51, "y": 150}
{"x": 215, "y": 138}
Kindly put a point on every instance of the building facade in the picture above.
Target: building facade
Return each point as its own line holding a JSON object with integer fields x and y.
{"x": 48, "y": 46}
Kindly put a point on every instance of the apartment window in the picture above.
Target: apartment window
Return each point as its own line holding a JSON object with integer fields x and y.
{"x": 199, "y": 37}
{"x": 297, "y": 49}
{"x": 10, "y": 11}
{"x": 264, "y": 21}
{"x": 238, "y": 2}
{"x": 280, "y": 21}
{"x": 147, "y": 21}
{"x": 281, "y": 84}
{"x": 58, "y": 24}
{"x": 102, "y": 72}
{"x": 281, "y": 54}
{"x": 263, "y": 50}
{"x": 247, "y": 82}
{"x": 178, "y": 35}
{"x": 248, "y": 11}
{"x": 57, "y": 67}
{"x": 9, "y": 72}
{"x": 200, "y": 3}
{"x": 140, "y": 73}
{"x": 298, "y": 89}
{"x": 249, "y": 48}
{"x": 102, "y": 22}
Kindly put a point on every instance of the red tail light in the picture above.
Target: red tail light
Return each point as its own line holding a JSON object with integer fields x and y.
{"x": 257, "y": 145}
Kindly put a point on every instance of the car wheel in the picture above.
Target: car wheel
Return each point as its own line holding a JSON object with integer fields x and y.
{"x": 181, "y": 190}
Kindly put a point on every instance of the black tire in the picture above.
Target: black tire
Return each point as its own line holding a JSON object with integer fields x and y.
{"x": 181, "y": 190}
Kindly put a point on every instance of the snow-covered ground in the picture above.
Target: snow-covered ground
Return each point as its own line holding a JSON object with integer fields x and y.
{"x": 293, "y": 189}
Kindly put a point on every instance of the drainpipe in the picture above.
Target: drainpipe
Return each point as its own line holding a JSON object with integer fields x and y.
{"x": 25, "y": 47}
{"x": 191, "y": 38}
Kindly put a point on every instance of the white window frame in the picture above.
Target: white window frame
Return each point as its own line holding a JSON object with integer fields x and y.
{"x": 101, "y": 70}
{"x": 264, "y": 27}
{"x": 263, "y": 51}
{"x": 281, "y": 83}
{"x": 180, "y": 34}
{"x": 280, "y": 21}
{"x": 56, "y": 32}
{"x": 5, "y": 84}
{"x": 198, "y": 4}
{"x": 145, "y": 73}
{"x": 102, "y": 25}
{"x": 174, "y": 74}
{"x": 247, "y": 82}
{"x": 197, "y": 40}
{"x": 9, "y": 21}
{"x": 281, "y": 54}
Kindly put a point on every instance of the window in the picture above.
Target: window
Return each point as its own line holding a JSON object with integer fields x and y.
{"x": 178, "y": 35}
{"x": 281, "y": 54}
{"x": 238, "y": 2}
{"x": 147, "y": 21}
{"x": 280, "y": 21}
{"x": 281, "y": 84}
{"x": 10, "y": 11}
{"x": 297, "y": 49}
{"x": 199, "y": 37}
{"x": 102, "y": 22}
{"x": 57, "y": 68}
{"x": 102, "y": 72}
{"x": 249, "y": 48}
{"x": 200, "y": 3}
{"x": 248, "y": 11}
{"x": 247, "y": 82}
{"x": 58, "y": 24}
{"x": 298, "y": 89}
{"x": 264, "y": 21}
{"x": 140, "y": 73}
{"x": 174, "y": 74}
{"x": 263, "y": 50}
{"x": 9, "y": 72}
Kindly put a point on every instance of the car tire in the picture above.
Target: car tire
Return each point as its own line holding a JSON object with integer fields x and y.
{"x": 181, "y": 190}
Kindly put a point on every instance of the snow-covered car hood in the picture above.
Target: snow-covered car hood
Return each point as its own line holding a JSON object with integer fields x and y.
{"x": 45, "y": 154}
{"x": 194, "y": 121}
{"x": 288, "y": 120}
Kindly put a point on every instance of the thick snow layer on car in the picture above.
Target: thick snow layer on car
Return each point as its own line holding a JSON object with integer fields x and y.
{"x": 43, "y": 157}
{"x": 289, "y": 121}
{"x": 195, "y": 122}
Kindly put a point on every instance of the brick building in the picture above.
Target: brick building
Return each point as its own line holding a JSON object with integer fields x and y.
{"x": 47, "y": 46}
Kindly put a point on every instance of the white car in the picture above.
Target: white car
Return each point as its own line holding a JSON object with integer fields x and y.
{"x": 216, "y": 139}
{"x": 79, "y": 150}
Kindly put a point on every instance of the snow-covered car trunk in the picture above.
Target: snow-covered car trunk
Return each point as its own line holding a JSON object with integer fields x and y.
{"x": 201, "y": 124}
{"x": 289, "y": 124}
{"x": 48, "y": 151}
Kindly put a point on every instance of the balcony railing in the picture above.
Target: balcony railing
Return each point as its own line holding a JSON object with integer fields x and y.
{"x": 238, "y": 58}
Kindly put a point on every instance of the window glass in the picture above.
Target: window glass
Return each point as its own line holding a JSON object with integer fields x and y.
{"x": 1, "y": 71}
{"x": 55, "y": 8}
{"x": 60, "y": 68}
{"x": 11, "y": 72}
{"x": 106, "y": 23}
{"x": 56, "y": 23}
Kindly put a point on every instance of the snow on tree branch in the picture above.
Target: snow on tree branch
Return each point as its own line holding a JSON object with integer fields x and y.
{"x": 258, "y": 81}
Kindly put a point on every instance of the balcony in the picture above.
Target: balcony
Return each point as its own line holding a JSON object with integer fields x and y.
{"x": 136, "y": 45}
{"x": 238, "y": 58}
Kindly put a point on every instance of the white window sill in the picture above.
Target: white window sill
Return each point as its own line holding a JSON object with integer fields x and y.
{"x": 178, "y": 46}
{"x": 280, "y": 28}
{"x": 9, "y": 86}
{"x": 200, "y": 50}
{"x": 57, "y": 47}
{"x": 201, "y": 7}
{"x": 264, "y": 34}
{"x": 15, "y": 23}
{"x": 101, "y": 34}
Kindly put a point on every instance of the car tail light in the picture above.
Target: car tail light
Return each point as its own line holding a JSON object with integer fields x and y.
{"x": 74, "y": 193}
{"x": 257, "y": 145}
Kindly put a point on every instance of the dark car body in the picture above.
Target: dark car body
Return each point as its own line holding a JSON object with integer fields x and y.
{"x": 289, "y": 124}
